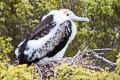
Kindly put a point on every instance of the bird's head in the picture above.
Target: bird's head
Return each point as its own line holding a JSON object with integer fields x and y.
{"x": 72, "y": 16}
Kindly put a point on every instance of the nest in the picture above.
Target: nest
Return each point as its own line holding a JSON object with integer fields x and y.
{"x": 47, "y": 70}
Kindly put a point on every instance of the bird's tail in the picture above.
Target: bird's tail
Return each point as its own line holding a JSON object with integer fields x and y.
{"x": 19, "y": 52}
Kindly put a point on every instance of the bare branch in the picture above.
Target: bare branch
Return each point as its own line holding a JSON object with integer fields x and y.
{"x": 94, "y": 68}
{"x": 76, "y": 56}
{"x": 95, "y": 55}
{"x": 84, "y": 52}
{"x": 105, "y": 49}
{"x": 39, "y": 72}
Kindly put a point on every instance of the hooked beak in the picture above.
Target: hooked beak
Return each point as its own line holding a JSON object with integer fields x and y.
{"x": 76, "y": 18}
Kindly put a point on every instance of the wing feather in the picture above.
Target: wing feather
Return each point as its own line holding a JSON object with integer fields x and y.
{"x": 56, "y": 43}
{"x": 63, "y": 37}
{"x": 52, "y": 46}
{"x": 42, "y": 28}
{"x": 40, "y": 31}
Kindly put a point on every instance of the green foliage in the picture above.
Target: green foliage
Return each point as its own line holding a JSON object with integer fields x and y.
{"x": 19, "y": 17}
{"x": 103, "y": 23}
{"x": 103, "y": 7}
{"x": 118, "y": 65}
{"x": 20, "y": 72}
{"x": 103, "y": 30}
{"x": 78, "y": 73}
{"x": 5, "y": 47}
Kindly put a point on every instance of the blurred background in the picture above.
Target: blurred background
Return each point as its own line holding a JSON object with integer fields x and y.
{"x": 19, "y": 17}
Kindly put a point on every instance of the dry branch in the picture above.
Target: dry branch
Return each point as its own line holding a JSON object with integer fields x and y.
{"x": 95, "y": 55}
{"x": 105, "y": 49}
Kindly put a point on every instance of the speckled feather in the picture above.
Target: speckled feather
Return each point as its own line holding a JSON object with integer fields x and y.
{"x": 49, "y": 40}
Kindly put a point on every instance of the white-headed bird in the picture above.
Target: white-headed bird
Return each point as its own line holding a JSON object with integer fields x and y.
{"x": 50, "y": 39}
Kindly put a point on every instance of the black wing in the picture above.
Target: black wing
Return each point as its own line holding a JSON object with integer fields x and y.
{"x": 41, "y": 30}
{"x": 63, "y": 34}
{"x": 66, "y": 33}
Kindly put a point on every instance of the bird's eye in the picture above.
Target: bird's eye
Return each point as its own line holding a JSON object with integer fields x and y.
{"x": 67, "y": 14}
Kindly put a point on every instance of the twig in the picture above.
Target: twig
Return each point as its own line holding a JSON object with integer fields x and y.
{"x": 78, "y": 53}
{"x": 95, "y": 55}
{"x": 84, "y": 52}
{"x": 105, "y": 49}
{"x": 39, "y": 72}
{"x": 94, "y": 68}
{"x": 55, "y": 75}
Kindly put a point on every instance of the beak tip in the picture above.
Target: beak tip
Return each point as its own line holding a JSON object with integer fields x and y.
{"x": 87, "y": 20}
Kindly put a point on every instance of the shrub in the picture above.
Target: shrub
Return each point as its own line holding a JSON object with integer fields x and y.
{"x": 118, "y": 65}
{"x": 5, "y": 47}
{"x": 78, "y": 73}
{"x": 20, "y": 72}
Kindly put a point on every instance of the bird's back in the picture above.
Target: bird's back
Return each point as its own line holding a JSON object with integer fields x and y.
{"x": 46, "y": 40}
